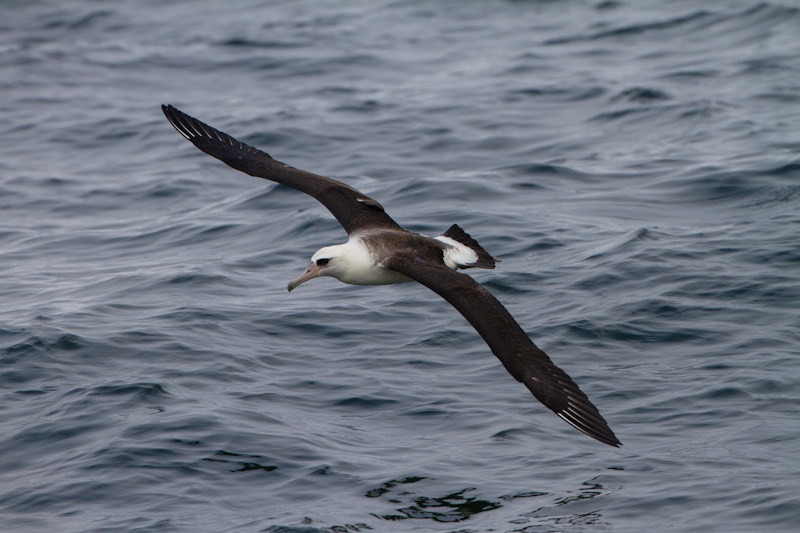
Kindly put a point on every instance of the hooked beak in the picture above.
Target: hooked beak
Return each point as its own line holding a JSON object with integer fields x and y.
{"x": 310, "y": 273}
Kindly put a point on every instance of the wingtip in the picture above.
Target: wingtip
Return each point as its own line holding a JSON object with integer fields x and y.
{"x": 171, "y": 112}
{"x": 591, "y": 424}
{"x": 611, "y": 440}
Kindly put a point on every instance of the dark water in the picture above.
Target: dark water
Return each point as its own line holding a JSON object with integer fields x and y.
{"x": 634, "y": 164}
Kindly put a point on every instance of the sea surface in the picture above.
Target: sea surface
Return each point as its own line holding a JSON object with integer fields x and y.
{"x": 635, "y": 164}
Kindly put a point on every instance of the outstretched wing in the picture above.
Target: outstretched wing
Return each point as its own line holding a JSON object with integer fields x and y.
{"x": 527, "y": 363}
{"x": 353, "y": 210}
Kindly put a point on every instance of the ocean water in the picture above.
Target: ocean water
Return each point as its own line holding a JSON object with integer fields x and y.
{"x": 636, "y": 165}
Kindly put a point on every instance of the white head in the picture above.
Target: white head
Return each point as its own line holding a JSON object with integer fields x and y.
{"x": 328, "y": 261}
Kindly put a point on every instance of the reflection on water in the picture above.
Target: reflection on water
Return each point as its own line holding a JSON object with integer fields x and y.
{"x": 461, "y": 505}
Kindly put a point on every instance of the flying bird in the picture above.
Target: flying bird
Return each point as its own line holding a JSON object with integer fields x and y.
{"x": 380, "y": 252}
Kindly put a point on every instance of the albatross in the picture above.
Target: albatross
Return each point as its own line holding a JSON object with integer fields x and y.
{"x": 380, "y": 252}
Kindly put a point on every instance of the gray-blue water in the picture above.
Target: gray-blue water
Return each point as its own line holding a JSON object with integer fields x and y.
{"x": 636, "y": 165}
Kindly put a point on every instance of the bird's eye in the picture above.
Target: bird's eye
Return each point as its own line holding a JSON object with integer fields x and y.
{"x": 322, "y": 262}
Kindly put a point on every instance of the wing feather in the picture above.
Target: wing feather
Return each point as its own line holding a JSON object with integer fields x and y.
{"x": 354, "y": 210}
{"x": 507, "y": 340}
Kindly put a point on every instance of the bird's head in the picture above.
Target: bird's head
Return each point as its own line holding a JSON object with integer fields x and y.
{"x": 326, "y": 262}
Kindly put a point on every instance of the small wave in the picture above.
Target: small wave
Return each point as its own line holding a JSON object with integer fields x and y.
{"x": 635, "y": 29}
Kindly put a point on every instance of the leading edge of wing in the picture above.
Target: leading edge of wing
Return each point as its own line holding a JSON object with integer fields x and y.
{"x": 353, "y": 210}
{"x": 507, "y": 340}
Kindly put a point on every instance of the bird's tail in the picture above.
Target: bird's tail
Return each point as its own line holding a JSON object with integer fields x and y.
{"x": 484, "y": 259}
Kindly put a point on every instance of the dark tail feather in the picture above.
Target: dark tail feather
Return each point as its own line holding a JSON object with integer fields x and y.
{"x": 484, "y": 259}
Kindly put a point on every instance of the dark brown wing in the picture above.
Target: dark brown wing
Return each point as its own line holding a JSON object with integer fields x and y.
{"x": 353, "y": 210}
{"x": 527, "y": 363}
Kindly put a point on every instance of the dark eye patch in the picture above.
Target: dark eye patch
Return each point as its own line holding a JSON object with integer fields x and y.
{"x": 322, "y": 262}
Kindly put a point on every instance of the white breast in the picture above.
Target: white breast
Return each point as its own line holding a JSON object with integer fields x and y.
{"x": 356, "y": 266}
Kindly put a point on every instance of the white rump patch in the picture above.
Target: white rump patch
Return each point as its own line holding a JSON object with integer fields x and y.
{"x": 458, "y": 254}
